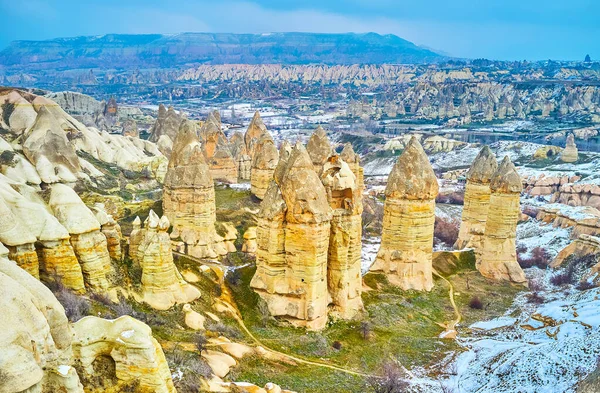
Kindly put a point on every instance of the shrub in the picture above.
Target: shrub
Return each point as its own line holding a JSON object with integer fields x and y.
{"x": 585, "y": 285}
{"x": 535, "y": 298}
{"x": 454, "y": 198}
{"x": 365, "y": 330}
{"x": 200, "y": 341}
{"x": 224, "y": 330}
{"x": 390, "y": 382}
{"x": 76, "y": 307}
{"x": 446, "y": 230}
{"x": 337, "y": 345}
{"x": 476, "y": 303}
{"x": 539, "y": 258}
{"x": 561, "y": 279}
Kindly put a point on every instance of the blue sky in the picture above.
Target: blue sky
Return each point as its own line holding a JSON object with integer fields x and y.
{"x": 497, "y": 29}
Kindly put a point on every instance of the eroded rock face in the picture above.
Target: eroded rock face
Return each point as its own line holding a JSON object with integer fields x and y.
{"x": 167, "y": 123}
{"x": 162, "y": 285}
{"x": 241, "y": 155}
{"x": 88, "y": 242}
{"x": 189, "y": 198}
{"x": 130, "y": 128}
{"x": 319, "y": 148}
{"x": 405, "y": 254}
{"x": 344, "y": 279}
{"x": 477, "y": 201}
{"x": 35, "y": 336}
{"x": 129, "y": 343}
{"x": 111, "y": 229}
{"x": 499, "y": 256}
{"x": 293, "y": 239}
{"x": 217, "y": 150}
{"x": 570, "y": 153}
{"x": 264, "y": 163}
{"x": 256, "y": 129}
{"x": 19, "y": 241}
{"x": 353, "y": 160}
{"x": 583, "y": 246}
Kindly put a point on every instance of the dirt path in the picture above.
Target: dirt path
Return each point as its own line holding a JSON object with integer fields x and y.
{"x": 452, "y": 325}
{"x": 227, "y": 301}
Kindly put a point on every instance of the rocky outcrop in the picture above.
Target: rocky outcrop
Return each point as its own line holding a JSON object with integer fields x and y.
{"x": 319, "y": 148}
{"x": 570, "y": 154}
{"x": 583, "y": 220}
{"x": 35, "y": 336}
{"x": 542, "y": 184}
{"x": 189, "y": 198}
{"x": 293, "y": 239}
{"x": 88, "y": 242}
{"x": 353, "y": 160}
{"x": 111, "y": 229}
{"x": 256, "y": 129}
{"x": 217, "y": 150}
{"x": 19, "y": 241}
{"x": 578, "y": 193}
{"x": 439, "y": 144}
{"x": 167, "y": 123}
{"x": 499, "y": 257}
{"x": 137, "y": 356}
{"x": 250, "y": 245}
{"x": 130, "y": 129}
{"x": 241, "y": 155}
{"x": 405, "y": 254}
{"x": 344, "y": 279}
{"x": 583, "y": 246}
{"x": 264, "y": 162}
{"x": 477, "y": 201}
{"x": 162, "y": 285}
{"x": 547, "y": 152}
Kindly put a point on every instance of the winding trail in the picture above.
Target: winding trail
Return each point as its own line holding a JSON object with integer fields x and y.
{"x": 227, "y": 301}
{"x": 452, "y": 325}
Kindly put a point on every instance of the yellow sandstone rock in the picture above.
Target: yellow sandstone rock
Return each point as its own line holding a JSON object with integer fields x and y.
{"x": 241, "y": 155}
{"x": 256, "y": 129}
{"x": 162, "y": 285}
{"x": 353, "y": 160}
{"x": 405, "y": 254}
{"x": 111, "y": 230}
{"x": 319, "y": 148}
{"x": 19, "y": 241}
{"x": 344, "y": 279}
{"x": 477, "y": 201}
{"x": 217, "y": 151}
{"x": 88, "y": 242}
{"x": 263, "y": 165}
{"x": 570, "y": 153}
{"x": 250, "y": 245}
{"x": 189, "y": 198}
{"x": 35, "y": 336}
{"x": 136, "y": 354}
{"x": 499, "y": 255}
{"x": 193, "y": 319}
{"x": 293, "y": 239}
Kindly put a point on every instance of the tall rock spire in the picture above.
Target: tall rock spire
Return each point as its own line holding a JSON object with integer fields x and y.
{"x": 499, "y": 255}
{"x": 263, "y": 165}
{"x": 293, "y": 239}
{"x": 319, "y": 148}
{"x": 189, "y": 198}
{"x": 405, "y": 254}
{"x": 477, "y": 201}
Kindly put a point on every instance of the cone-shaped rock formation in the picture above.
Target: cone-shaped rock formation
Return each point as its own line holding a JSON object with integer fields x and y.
{"x": 189, "y": 198}
{"x": 264, "y": 162}
{"x": 293, "y": 239}
{"x": 162, "y": 285}
{"x": 319, "y": 148}
{"x": 499, "y": 255}
{"x": 256, "y": 129}
{"x": 405, "y": 254}
{"x": 570, "y": 153}
{"x": 217, "y": 150}
{"x": 477, "y": 201}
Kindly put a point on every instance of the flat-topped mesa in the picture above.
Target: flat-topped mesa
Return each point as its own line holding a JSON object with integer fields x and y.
{"x": 477, "y": 201}
{"x": 499, "y": 256}
{"x": 189, "y": 198}
{"x": 240, "y": 155}
{"x": 570, "y": 153}
{"x": 88, "y": 242}
{"x": 319, "y": 148}
{"x": 162, "y": 285}
{"x": 264, "y": 162}
{"x": 217, "y": 150}
{"x": 353, "y": 160}
{"x": 167, "y": 124}
{"x": 344, "y": 279}
{"x": 19, "y": 241}
{"x": 256, "y": 129}
{"x": 405, "y": 254}
{"x": 111, "y": 229}
{"x": 293, "y": 239}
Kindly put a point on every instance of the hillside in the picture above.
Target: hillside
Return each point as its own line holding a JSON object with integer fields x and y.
{"x": 165, "y": 51}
